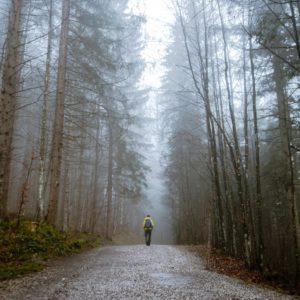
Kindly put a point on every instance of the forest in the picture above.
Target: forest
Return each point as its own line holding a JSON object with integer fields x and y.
{"x": 73, "y": 148}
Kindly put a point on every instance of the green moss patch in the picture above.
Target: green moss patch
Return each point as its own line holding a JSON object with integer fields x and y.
{"x": 15, "y": 269}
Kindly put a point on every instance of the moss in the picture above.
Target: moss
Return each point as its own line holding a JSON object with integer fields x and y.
{"x": 23, "y": 246}
{"x": 15, "y": 269}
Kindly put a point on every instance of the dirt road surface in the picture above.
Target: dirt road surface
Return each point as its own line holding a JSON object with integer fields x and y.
{"x": 132, "y": 272}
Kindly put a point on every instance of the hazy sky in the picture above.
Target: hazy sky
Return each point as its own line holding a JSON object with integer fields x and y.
{"x": 159, "y": 18}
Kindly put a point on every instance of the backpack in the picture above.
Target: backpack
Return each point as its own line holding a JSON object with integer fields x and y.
{"x": 148, "y": 224}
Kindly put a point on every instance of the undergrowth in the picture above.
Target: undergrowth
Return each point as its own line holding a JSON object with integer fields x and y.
{"x": 217, "y": 261}
{"x": 25, "y": 247}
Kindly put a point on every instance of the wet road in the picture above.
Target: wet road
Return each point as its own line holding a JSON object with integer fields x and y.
{"x": 132, "y": 272}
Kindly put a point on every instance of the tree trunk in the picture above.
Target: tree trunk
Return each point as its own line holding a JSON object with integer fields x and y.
{"x": 295, "y": 29}
{"x": 66, "y": 195}
{"x": 237, "y": 155}
{"x": 260, "y": 242}
{"x": 43, "y": 138}
{"x": 96, "y": 194}
{"x": 204, "y": 95}
{"x": 109, "y": 225}
{"x": 246, "y": 160}
{"x": 58, "y": 123}
{"x": 80, "y": 201}
{"x": 230, "y": 224}
{"x": 8, "y": 98}
{"x": 285, "y": 137}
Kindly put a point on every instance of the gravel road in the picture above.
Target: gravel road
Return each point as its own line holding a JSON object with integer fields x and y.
{"x": 132, "y": 272}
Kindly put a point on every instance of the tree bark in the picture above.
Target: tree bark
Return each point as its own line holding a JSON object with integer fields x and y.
{"x": 109, "y": 220}
{"x": 246, "y": 160}
{"x": 260, "y": 242}
{"x": 66, "y": 214}
{"x": 295, "y": 29}
{"x": 238, "y": 170}
{"x": 289, "y": 172}
{"x": 96, "y": 194}
{"x": 80, "y": 197}
{"x": 8, "y": 98}
{"x": 58, "y": 123}
{"x": 204, "y": 95}
{"x": 43, "y": 137}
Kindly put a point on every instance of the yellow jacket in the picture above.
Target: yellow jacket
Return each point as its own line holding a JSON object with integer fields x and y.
{"x": 144, "y": 222}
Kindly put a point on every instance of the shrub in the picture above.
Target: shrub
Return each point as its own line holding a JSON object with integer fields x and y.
{"x": 23, "y": 247}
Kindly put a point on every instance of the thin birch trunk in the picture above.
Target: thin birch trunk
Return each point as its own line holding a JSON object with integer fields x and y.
{"x": 238, "y": 162}
{"x": 210, "y": 128}
{"x": 43, "y": 137}
{"x": 224, "y": 158}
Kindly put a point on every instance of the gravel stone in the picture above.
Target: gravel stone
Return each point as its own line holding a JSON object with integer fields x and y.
{"x": 132, "y": 272}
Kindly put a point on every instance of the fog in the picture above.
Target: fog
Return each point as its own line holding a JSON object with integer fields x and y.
{"x": 157, "y": 33}
{"x": 156, "y": 204}
{"x": 185, "y": 110}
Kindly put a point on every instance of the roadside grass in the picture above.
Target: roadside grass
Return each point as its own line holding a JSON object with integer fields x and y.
{"x": 25, "y": 247}
{"x": 216, "y": 261}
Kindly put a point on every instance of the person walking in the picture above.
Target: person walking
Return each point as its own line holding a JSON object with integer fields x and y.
{"x": 148, "y": 226}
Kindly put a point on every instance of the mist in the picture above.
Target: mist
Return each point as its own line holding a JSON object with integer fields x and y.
{"x": 184, "y": 110}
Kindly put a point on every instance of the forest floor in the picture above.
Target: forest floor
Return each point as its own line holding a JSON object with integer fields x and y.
{"x": 132, "y": 272}
{"x": 223, "y": 264}
{"x": 27, "y": 246}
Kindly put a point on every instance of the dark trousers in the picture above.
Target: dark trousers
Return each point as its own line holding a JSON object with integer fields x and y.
{"x": 148, "y": 236}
